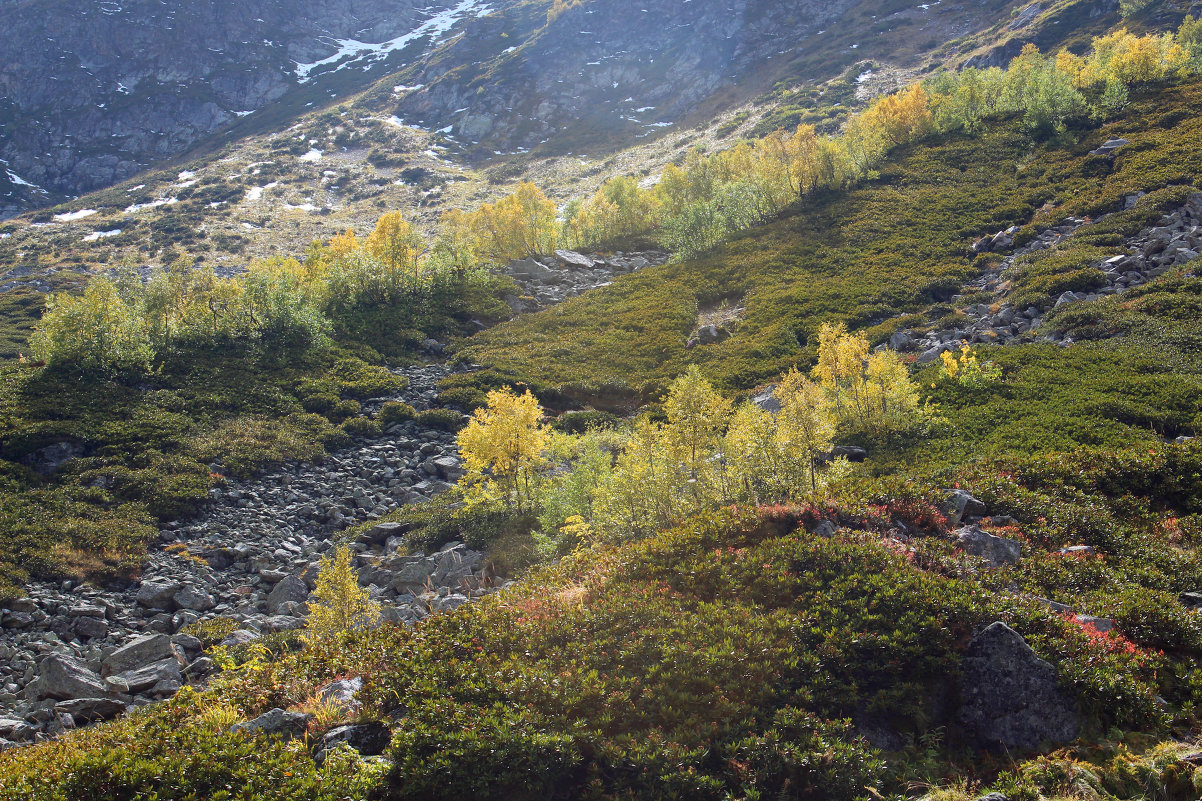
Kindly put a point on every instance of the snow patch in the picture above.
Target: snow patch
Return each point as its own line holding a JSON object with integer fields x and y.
{"x": 256, "y": 193}
{"x": 301, "y": 207}
{"x": 163, "y": 201}
{"x": 352, "y": 50}
{"x": 92, "y": 237}
{"x": 72, "y": 216}
{"x": 312, "y": 155}
{"x": 18, "y": 180}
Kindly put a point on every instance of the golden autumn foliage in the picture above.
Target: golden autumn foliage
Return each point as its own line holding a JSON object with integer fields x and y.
{"x": 873, "y": 392}
{"x": 524, "y": 223}
{"x": 339, "y": 606}
{"x": 502, "y": 448}
{"x": 395, "y": 244}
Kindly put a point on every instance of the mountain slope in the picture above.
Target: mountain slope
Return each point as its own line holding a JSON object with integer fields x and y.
{"x": 95, "y": 93}
{"x": 92, "y": 95}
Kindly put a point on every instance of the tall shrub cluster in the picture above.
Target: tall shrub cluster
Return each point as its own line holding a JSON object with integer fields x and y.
{"x": 705, "y": 452}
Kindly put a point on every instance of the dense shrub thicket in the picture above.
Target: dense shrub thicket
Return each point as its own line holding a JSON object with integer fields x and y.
{"x": 705, "y": 635}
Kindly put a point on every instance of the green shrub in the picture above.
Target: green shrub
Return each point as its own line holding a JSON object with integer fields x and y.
{"x": 580, "y": 422}
{"x": 363, "y": 428}
{"x": 320, "y": 402}
{"x": 468, "y": 399}
{"x": 804, "y": 757}
{"x": 395, "y": 412}
{"x": 513, "y": 755}
{"x": 445, "y": 419}
{"x": 344, "y": 410}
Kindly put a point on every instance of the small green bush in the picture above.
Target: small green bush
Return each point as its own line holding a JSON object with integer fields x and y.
{"x": 362, "y": 427}
{"x": 580, "y": 422}
{"x": 320, "y": 402}
{"x": 344, "y": 410}
{"x": 445, "y": 419}
{"x": 396, "y": 412}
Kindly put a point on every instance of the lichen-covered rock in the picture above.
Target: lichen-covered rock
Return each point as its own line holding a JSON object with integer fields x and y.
{"x": 1010, "y": 697}
{"x": 994, "y": 550}
{"x": 275, "y": 721}
{"x": 65, "y": 677}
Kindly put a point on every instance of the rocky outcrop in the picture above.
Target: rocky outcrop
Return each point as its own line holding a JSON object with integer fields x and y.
{"x": 1010, "y": 697}
{"x": 993, "y": 550}
{"x": 960, "y": 506}
{"x": 547, "y": 280}
{"x": 1174, "y": 242}
{"x": 275, "y": 721}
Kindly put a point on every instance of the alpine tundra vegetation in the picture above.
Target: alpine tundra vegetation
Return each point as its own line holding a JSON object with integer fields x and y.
{"x": 819, "y": 423}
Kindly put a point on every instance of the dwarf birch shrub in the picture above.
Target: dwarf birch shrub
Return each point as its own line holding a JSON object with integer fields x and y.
{"x": 340, "y": 606}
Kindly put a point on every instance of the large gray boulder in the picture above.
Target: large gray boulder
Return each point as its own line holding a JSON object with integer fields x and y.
{"x": 197, "y": 600}
{"x": 91, "y": 628}
{"x": 1011, "y": 698}
{"x": 574, "y": 259}
{"x": 158, "y": 594}
{"x": 959, "y": 506}
{"x": 276, "y": 721}
{"x": 369, "y": 739}
{"x": 412, "y": 575}
{"x": 90, "y": 709}
{"x": 529, "y": 268}
{"x": 996, "y": 551}
{"x": 766, "y": 400}
{"x": 342, "y": 694}
{"x": 140, "y": 651}
{"x": 292, "y": 589}
{"x": 63, "y": 677}
{"x": 159, "y": 674}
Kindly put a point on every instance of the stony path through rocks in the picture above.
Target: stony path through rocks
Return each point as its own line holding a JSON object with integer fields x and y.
{"x": 250, "y": 555}
{"x": 73, "y": 653}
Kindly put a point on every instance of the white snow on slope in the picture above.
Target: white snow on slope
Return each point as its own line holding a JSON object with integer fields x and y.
{"x": 135, "y": 208}
{"x": 351, "y": 51}
{"x": 256, "y": 192}
{"x": 72, "y": 216}
{"x": 18, "y": 180}
{"x": 92, "y": 237}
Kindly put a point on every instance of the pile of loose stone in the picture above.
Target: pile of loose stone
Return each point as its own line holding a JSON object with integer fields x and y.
{"x": 1174, "y": 241}
{"x": 547, "y": 281}
{"x": 73, "y": 653}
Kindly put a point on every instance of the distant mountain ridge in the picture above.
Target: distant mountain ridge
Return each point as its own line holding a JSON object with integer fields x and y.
{"x": 93, "y": 94}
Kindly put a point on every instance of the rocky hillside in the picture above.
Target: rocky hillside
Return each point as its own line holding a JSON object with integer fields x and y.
{"x": 91, "y": 95}
{"x": 94, "y": 93}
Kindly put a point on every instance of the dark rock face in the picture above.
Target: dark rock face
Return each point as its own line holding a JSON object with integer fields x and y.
{"x": 621, "y": 68}
{"x": 92, "y": 93}
{"x": 1010, "y": 697}
{"x": 369, "y": 739}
